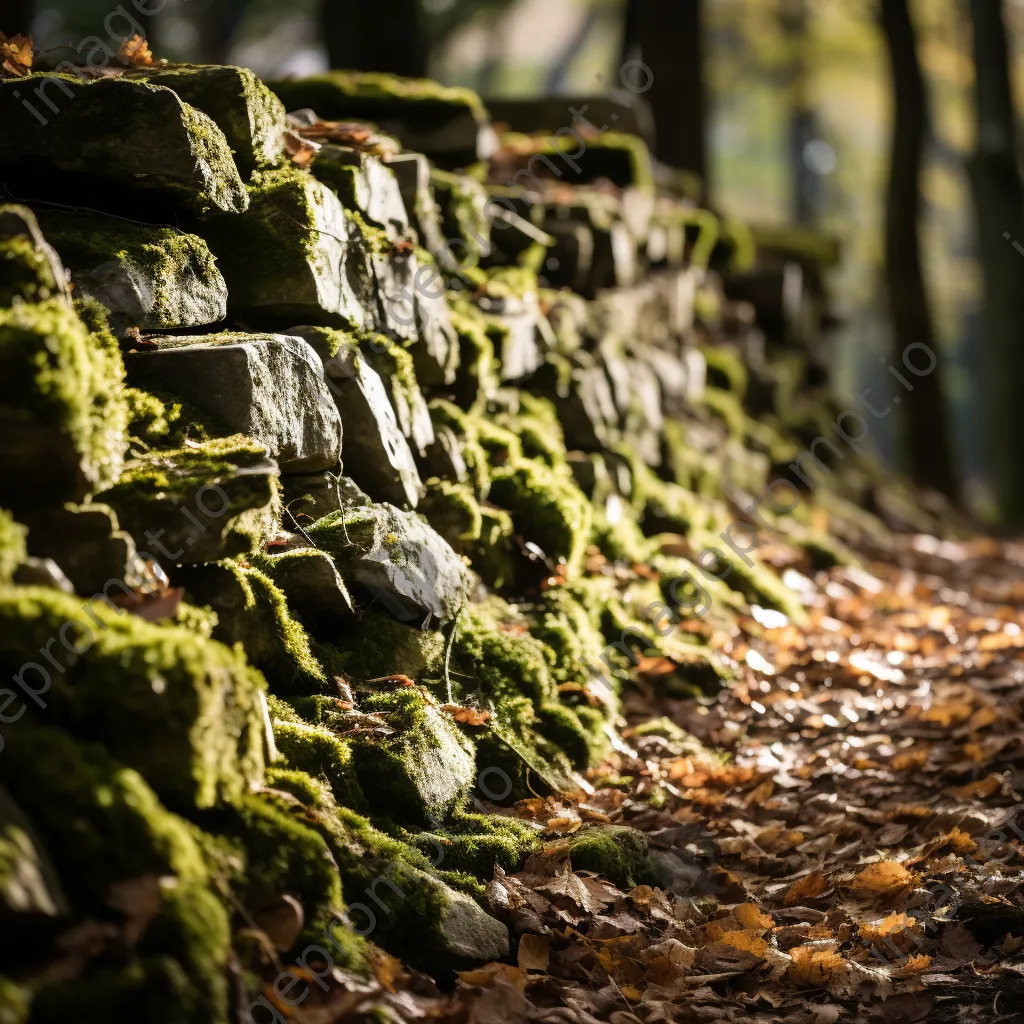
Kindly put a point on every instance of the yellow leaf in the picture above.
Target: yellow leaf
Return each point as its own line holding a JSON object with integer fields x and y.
{"x": 885, "y": 878}
{"x": 750, "y": 917}
{"x": 807, "y": 888}
{"x": 15, "y": 56}
{"x": 812, "y": 968}
{"x": 748, "y": 941}
{"x": 533, "y": 952}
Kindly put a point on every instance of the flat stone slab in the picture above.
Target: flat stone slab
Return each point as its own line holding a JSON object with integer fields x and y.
{"x": 154, "y": 278}
{"x": 310, "y": 581}
{"x": 198, "y": 504}
{"x": 405, "y": 565}
{"x": 377, "y": 455}
{"x": 286, "y": 258}
{"x": 269, "y": 387}
{"x": 120, "y": 132}
{"x": 364, "y": 183}
{"x": 251, "y": 117}
{"x": 30, "y": 268}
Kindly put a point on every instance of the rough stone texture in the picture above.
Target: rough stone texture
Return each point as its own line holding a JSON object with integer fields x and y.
{"x": 363, "y": 182}
{"x": 287, "y": 258}
{"x": 377, "y": 456}
{"x": 115, "y": 132}
{"x": 412, "y": 172}
{"x": 310, "y": 581}
{"x": 149, "y": 277}
{"x": 85, "y": 542}
{"x": 519, "y": 314}
{"x": 62, "y": 411}
{"x": 29, "y": 886}
{"x": 311, "y": 496}
{"x": 269, "y": 387}
{"x": 406, "y": 567}
{"x": 582, "y": 395}
{"x": 251, "y": 117}
{"x": 449, "y": 125}
{"x": 199, "y": 503}
{"x": 30, "y": 268}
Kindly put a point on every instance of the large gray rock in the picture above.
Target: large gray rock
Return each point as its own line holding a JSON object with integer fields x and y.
{"x": 118, "y": 134}
{"x": 269, "y": 387}
{"x": 149, "y": 277}
{"x": 251, "y": 117}
{"x": 377, "y": 455}
{"x": 407, "y": 567}
{"x": 364, "y": 183}
{"x": 287, "y": 258}
{"x": 310, "y": 581}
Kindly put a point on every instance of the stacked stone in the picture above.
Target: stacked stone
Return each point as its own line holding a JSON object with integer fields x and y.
{"x": 346, "y": 464}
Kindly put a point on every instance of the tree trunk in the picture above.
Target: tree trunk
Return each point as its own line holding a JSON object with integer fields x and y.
{"x": 999, "y": 204}
{"x": 384, "y": 36}
{"x": 667, "y": 36}
{"x": 926, "y": 417}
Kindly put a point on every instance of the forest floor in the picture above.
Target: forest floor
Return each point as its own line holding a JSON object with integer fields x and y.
{"x": 856, "y": 856}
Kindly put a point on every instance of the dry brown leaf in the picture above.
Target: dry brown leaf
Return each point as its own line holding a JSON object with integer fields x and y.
{"x": 467, "y": 716}
{"x": 534, "y": 951}
{"x": 884, "y": 878}
{"x": 807, "y": 888}
{"x": 913, "y": 965}
{"x": 134, "y": 52}
{"x": 812, "y": 967}
{"x": 15, "y": 56}
{"x": 750, "y": 917}
{"x": 492, "y": 974}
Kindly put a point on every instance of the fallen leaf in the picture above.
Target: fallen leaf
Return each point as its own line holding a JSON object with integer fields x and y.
{"x": 534, "y": 951}
{"x": 15, "y": 56}
{"x": 811, "y": 967}
{"x": 885, "y": 878}
{"x": 807, "y": 888}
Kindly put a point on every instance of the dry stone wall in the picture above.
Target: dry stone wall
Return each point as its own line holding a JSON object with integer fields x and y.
{"x": 351, "y": 469}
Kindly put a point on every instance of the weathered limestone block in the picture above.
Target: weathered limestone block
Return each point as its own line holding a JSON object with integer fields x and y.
{"x": 286, "y": 258}
{"x": 424, "y": 768}
{"x": 407, "y": 568}
{"x": 462, "y": 202}
{"x": 377, "y": 456}
{"x": 251, "y": 117}
{"x": 269, "y": 387}
{"x": 449, "y": 125}
{"x": 199, "y": 503}
{"x": 149, "y": 277}
{"x": 183, "y": 711}
{"x": 396, "y": 368}
{"x": 85, "y": 541}
{"x": 119, "y": 133}
{"x": 582, "y": 395}
{"x": 30, "y": 269}
{"x": 253, "y": 611}
{"x": 412, "y": 172}
{"x": 311, "y": 496}
{"x": 311, "y": 582}
{"x": 62, "y": 408}
{"x": 364, "y": 183}
{"x": 520, "y": 315}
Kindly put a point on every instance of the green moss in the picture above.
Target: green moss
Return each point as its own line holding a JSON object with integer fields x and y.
{"x": 59, "y": 378}
{"x": 462, "y": 202}
{"x": 615, "y": 851}
{"x": 376, "y": 645}
{"x": 448, "y": 414}
{"x": 536, "y": 425}
{"x": 500, "y": 444}
{"x": 494, "y": 556}
{"x": 12, "y": 545}
{"x": 453, "y": 511}
{"x": 14, "y": 1002}
{"x": 725, "y": 368}
{"x": 571, "y": 632}
{"x": 727, "y": 406}
{"x": 321, "y": 754}
{"x": 183, "y": 710}
{"x": 562, "y": 726}
{"x": 155, "y": 487}
{"x": 29, "y": 271}
{"x": 546, "y": 507}
{"x": 100, "y": 822}
{"x": 474, "y": 843}
{"x": 477, "y": 375}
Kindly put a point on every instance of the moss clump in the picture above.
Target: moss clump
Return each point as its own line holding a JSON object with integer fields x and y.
{"x": 204, "y": 501}
{"x": 252, "y": 610}
{"x": 29, "y": 269}
{"x": 184, "y": 711}
{"x": 319, "y": 753}
{"x": 448, "y": 414}
{"x": 12, "y": 545}
{"x": 62, "y": 408}
{"x": 453, "y": 511}
{"x": 474, "y": 843}
{"x": 562, "y": 726}
{"x": 100, "y": 822}
{"x": 569, "y": 629}
{"x": 546, "y": 507}
{"x": 376, "y": 645}
{"x": 494, "y": 556}
{"x": 424, "y": 768}
{"x": 725, "y": 369}
{"x": 535, "y": 422}
{"x": 615, "y": 851}
{"x": 463, "y": 202}
{"x": 477, "y": 375}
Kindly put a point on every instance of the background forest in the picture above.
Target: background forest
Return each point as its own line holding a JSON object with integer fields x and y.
{"x": 796, "y": 99}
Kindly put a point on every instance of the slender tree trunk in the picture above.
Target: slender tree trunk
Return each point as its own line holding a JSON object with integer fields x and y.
{"x": 999, "y": 204}
{"x": 667, "y": 36}
{"x": 926, "y": 417}
{"x": 383, "y": 36}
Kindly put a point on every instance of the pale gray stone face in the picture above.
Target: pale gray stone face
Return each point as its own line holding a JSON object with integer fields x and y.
{"x": 269, "y": 387}
{"x": 117, "y": 133}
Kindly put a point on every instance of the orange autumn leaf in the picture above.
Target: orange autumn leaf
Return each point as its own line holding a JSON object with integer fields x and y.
{"x": 750, "y": 917}
{"x": 134, "y": 52}
{"x": 914, "y": 965}
{"x": 811, "y": 967}
{"x": 807, "y": 888}
{"x": 467, "y": 716}
{"x": 977, "y": 790}
{"x": 15, "y": 56}
{"x": 884, "y": 878}
{"x": 889, "y": 927}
